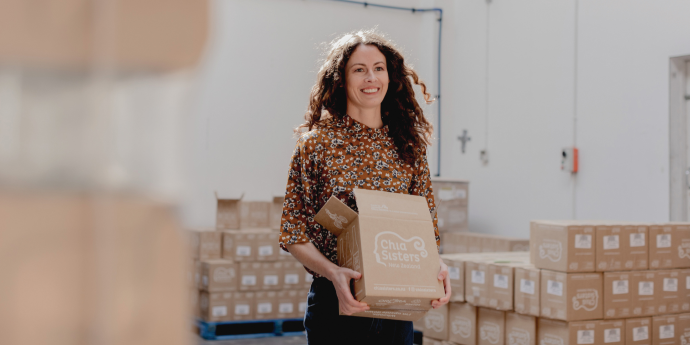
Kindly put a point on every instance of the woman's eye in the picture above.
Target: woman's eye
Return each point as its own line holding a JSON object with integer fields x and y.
{"x": 379, "y": 68}
{"x": 359, "y": 70}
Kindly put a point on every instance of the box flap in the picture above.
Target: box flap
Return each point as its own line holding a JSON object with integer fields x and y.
{"x": 391, "y": 205}
{"x": 335, "y": 216}
{"x": 234, "y": 197}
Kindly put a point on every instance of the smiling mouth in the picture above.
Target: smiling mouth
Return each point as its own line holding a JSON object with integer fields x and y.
{"x": 370, "y": 90}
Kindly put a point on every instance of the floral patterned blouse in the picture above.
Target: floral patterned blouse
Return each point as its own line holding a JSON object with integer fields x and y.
{"x": 335, "y": 159}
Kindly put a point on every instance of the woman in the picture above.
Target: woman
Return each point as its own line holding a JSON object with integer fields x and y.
{"x": 365, "y": 130}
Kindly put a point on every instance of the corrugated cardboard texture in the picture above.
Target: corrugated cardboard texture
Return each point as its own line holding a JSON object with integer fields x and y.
{"x": 491, "y": 325}
{"x": 266, "y": 305}
{"x": 456, "y": 273}
{"x": 215, "y": 306}
{"x": 646, "y": 293}
{"x": 571, "y": 296}
{"x": 286, "y": 301}
{"x": 610, "y": 332}
{"x": 470, "y": 242}
{"x": 638, "y": 331}
{"x": 451, "y": 189}
{"x": 527, "y": 287}
{"x": 276, "y": 212}
{"x": 621, "y": 247}
{"x": 79, "y": 269}
{"x": 477, "y": 282}
{"x": 682, "y": 245}
{"x": 684, "y": 328}
{"x": 553, "y": 332}
{"x": 462, "y": 323}
{"x": 254, "y": 214}
{"x": 618, "y": 295}
{"x": 670, "y": 295}
{"x": 665, "y": 330}
{"x": 669, "y": 246}
{"x": 293, "y": 275}
{"x": 250, "y": 275}
{"x": 206, "y": 244}
{"x": 336, "y": 216}
{"x": 270, "y": 276}
{"x": 266, "y": 248}
{"x": 451, "y": 204}
{"x": 392, "y": 314}
{"x": 435, "y": 323}
{"x": 243, "y": 306}
{"x": 228, "y": 213}
{"x": 501, "y": 287}
{"x": 520, "y": 329}
{"x": 250, "y": 245}
{"x": 392, "y": 244}
{"x": 219, "y": 275}
{"x": 684, "y": 287}
{"x": 564, "y": 246}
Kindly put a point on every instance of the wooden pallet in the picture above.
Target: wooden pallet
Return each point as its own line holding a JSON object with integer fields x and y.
{"x": 225, "y": 330}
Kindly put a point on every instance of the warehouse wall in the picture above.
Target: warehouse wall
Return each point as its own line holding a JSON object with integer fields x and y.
{"x": 254, "y": 86}
{"x": 513, "y": 76}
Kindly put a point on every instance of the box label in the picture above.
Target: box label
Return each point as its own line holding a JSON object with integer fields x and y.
{"x": 640, "y": 333}
{"x": 265, "y": 250}
{"x": 687, "y": 282}
{"x": 391, "y": 250}
{"x": 645, "y": 288}
{"x": 263, "y": 308}
{"x": 270, "y": 280}
{"x": 292, "y": 278}
{"x": 551, "y": 250}
{"x": 554, "y": 288}
{"x": 243, "y": 251}
{"x": 204, "y": 280}
{"x": 663, "y": 241}
{"x": 454, "y": 273}
{"x": 219, "y": 310}
{"x": 285, "y": 308}
{"x": 583, "y": 241}
{"x": 671, "y": 284}
{"x": 637, "y": 240}
{"x": 242, "y": 309}
{"x": 611, "y": 242}
{"x": 461, "y": 326}
{"x": 527, "y": 286}
{"x": 248, "y": 280}
{"x": 490, "y": 332}
{"x": 223, "y": 274}
{"x": 477, "y": 277}
{"x": 666, "y": 331}
{"x": 612, "y": 335}
{"x": 518, "y": 337}
{"x": 585, "y": 336}
{"x": 620, "y": 287}
{"x": 586, "y": 299}
{"x": 501, "y": 281}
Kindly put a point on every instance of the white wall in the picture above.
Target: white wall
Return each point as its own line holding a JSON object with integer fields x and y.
{"x": 254, "y": 86}
{"x": 523, "y": 101}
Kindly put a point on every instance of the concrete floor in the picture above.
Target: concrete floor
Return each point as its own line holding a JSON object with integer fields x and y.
{"x": 291, "y": 340}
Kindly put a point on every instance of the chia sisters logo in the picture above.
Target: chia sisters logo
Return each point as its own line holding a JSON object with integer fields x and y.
{"x": 550, "y": 249}
{"x": 518, "y": 337}
{"x": 490, "y": 332}
{"x": 550, "y": 339}
{"x": 461, "y": 326}
{"x": 392, "y": 250}
{"x": 586, "y": 299}
{"x": 435, "y": 321}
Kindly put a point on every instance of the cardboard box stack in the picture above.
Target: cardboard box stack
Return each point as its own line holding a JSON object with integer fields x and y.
{"x": 581, "y": 283}
{"x": 470, "y": 242}
{"x": 239, "y": 272}
{"x": 451, "y": 197}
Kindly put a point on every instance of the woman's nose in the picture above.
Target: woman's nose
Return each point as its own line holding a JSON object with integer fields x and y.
{"x": 370, "y": 76}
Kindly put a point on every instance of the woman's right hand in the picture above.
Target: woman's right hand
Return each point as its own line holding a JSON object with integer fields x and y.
{"x": 340, "y": 277}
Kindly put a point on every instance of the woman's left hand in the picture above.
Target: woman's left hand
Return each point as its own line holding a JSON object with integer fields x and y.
{"x": 443, "y": 275}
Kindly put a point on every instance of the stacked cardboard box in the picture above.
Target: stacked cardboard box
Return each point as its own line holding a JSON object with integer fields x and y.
{"x": 470, "y": 242}
{"x": 587, "y": 283}
{"x": 239, "y": 271}
{"x": 451, "y": 197}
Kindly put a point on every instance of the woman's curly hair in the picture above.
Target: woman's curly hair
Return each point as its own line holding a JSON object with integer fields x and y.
{"x": 407, "y": 125}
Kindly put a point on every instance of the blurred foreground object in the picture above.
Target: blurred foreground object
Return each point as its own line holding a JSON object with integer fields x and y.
{"x": 93, "y": 110}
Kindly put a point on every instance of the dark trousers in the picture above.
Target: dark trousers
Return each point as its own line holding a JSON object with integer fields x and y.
{"x": 325, "y": 326}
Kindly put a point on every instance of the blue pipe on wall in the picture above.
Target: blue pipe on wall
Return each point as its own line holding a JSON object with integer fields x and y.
{"x": 438, "y": 71}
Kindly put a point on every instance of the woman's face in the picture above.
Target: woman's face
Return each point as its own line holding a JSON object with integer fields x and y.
{"x": 366, "y": 77}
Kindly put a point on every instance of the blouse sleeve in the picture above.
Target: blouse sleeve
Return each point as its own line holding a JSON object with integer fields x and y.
{"x": 300, "y": 186}
{"x": 421, "y": 185}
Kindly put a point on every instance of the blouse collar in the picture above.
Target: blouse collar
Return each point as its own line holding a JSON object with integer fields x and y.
{"x": 349, "y": 122}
